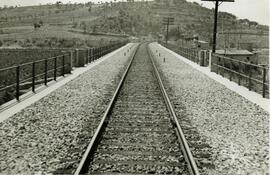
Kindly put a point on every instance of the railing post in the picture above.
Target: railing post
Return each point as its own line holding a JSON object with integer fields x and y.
{"x": 195, "y": 55}
{"x": 204, "y": 58}
{"x": 264, "y": 81}
{"x": 77, "y": 57}
{"x": 239, "y": 76}
{"x": 85, "y": 59}
{"x": 249, "y": 79}
{"x": 55, "y": 68}
{"x": 231, "y": 71}
{"x": 246, "y": 72}
{"x": 71, "y": 61}
{"x": 88, "y": 55}
{"x": 91, "y": 54}
{"x": 199, "y": 57}
{"x": 45, "y": 71}
{"x": 33, "y": 76}
{"x": 102, "y": 51}
{"x": 218, "y": 64}
{"x": 210, "y": 60}
{"x": 18, "y": 83}
{"x": 222, "y": 71}
{"x": 63, "y": 65}
{"x": 94, "y": 54}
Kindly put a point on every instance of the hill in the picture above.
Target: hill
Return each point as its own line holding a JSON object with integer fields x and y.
{"x": 138, "y": 18}
{"x": 54, "y": 22}
{"x": 190, "y": 19}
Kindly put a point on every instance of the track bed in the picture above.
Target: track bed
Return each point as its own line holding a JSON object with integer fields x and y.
{"x": 139, "y": 137}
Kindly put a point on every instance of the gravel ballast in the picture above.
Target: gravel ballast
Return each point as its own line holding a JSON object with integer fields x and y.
{"x": 236, "y": 129}
{"x": 51, "y": 135}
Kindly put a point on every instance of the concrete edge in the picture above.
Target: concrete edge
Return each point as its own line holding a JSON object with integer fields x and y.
{"x": 241, "y": 90}
{"x": 10, "y": 108}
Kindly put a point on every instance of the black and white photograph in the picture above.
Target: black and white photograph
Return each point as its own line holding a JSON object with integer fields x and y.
{"x": 134, "y": 87}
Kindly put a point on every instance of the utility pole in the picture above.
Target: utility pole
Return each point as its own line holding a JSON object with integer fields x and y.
{"x": 168, "y": 21}
{"x": 178, "y": 32}
{"x": 215, "y": 21}
{"x": 215, "y": 28}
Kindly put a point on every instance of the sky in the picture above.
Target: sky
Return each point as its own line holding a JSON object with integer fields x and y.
{"x": 255, "y": 10}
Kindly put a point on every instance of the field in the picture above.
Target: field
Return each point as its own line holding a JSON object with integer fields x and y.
{"x": 53, "y": 37}
{"x": 57, "y": 22}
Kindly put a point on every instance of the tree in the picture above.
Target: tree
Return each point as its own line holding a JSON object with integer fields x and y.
{"x": 58, "y": 4}
{"x": 41, "y": 22}
{"x": 253, "y": 23}
{"x": 37, "y": 25}
{"x": 83, "y": 26}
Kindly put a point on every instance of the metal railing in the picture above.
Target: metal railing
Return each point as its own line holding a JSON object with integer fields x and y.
{"x": 23, "y": 76}
{"x": 252, "y": 76}
{"x": 15, "y": 80}
{"x": 85, "y": 56}
{"x": 189, "y": 53}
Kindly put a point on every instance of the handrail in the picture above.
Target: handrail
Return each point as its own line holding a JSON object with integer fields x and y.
{"x": 238, "y": 61}
{"x": 50, "y": 65}
{"x": 31, "y": 62}
{"x": 192, "y": 54}
{"x": 239, "y": 73}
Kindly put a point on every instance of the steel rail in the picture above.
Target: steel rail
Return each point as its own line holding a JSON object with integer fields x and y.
{"x": 193, "y": 169}
{"x": 83, "y": 165}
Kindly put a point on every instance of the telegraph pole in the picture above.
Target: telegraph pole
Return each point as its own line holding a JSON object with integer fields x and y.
{"x": 167, "y": 30}
{"x": 168, "y": 21}
{"x": 215, "y": 21}
{"x": 215, "y": 28}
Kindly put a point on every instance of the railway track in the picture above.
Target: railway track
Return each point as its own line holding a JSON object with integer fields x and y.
{"x": 139, "y": 132}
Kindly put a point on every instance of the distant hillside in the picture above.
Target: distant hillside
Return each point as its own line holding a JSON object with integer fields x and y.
{"x": 55, "y": 22}
{"x": 191, "y": 19}
{"x": 142, "y": 18}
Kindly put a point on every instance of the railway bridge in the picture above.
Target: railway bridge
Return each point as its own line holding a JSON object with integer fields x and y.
{"x": 140, "y": 108}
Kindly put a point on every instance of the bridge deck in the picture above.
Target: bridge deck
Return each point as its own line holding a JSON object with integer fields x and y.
{"x": 236, "y": 128}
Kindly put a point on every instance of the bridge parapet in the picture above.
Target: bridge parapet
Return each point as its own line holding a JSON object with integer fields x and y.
{"x": 254, "y": 77}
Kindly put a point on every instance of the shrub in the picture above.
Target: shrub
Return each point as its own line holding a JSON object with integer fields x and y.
{"x": 66, "y": 43}
{"x": 74, "y": 24}
{"x": 40, "y": 44}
